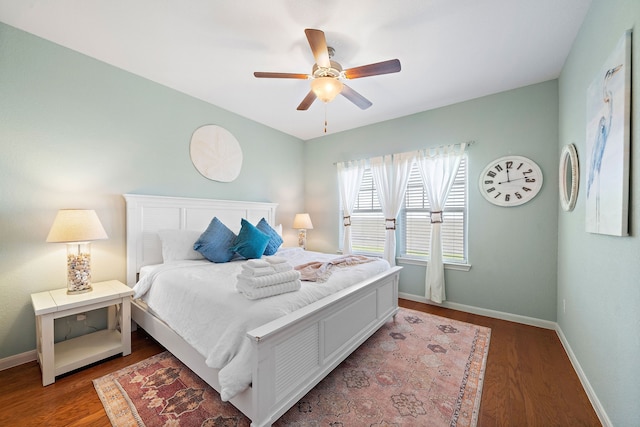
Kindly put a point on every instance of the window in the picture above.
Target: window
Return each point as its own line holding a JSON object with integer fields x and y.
{"x": 414, "y": 223}
{"x": 367, "y": 219}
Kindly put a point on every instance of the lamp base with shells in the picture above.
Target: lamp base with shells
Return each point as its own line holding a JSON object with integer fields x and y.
{"x": 79, "y": 268}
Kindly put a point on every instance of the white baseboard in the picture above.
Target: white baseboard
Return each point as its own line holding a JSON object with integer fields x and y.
{"x": 591, "y": 394}
{"x": 18, "y": 359}
{"x": 531, "y": 321}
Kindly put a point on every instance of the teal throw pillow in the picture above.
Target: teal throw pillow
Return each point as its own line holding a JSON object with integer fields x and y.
{"x": 250, "y": 242}
{"x": 275, "y": 241}
{"x": 216, "y": 242}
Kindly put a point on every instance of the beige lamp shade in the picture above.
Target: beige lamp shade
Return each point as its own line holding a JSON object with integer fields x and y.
{"x": 76, "y": 228}
{"x": 302, "y": 221}
{"x": 76, "y": 225}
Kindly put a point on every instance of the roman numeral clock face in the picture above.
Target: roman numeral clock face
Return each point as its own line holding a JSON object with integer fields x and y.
{"x": 510, "y": 181}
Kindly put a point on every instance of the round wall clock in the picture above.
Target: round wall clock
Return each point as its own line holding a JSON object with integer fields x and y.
{"x": 510, "y": 181}
{"x": 216, "y": 153}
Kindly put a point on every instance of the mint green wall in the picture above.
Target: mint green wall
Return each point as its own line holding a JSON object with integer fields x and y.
{"x": 512, "y": 250}
{"x": 598, "y": 275}
{"x": 75, "y": 132}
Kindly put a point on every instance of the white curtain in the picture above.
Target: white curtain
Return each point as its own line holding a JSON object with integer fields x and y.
{"x": 438, "y": 168}
{"x": 390, "y": 176}
{"x": 349, "y": 181}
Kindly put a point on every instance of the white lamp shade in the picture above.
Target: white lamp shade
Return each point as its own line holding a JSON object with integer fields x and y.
{"x": 76, "y": 225}
{"x": 302, "y": 221}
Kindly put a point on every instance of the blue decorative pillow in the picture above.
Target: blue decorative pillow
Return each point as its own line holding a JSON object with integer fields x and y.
{"x": 250, "y": 242}
{"x": 216, "y": 242}
{"x": 275, "y": 241}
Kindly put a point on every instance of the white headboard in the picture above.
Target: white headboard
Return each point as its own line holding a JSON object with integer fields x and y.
{"x": 146, "y": 215}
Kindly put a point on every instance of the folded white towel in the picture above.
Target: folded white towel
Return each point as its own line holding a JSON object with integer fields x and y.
{"x": 258, "y": 263}
{"x": 257, "y": 271}
{"x": 260, "y": 267}
{"x": 269, "y": 280}
{"x": 275, "y": 259}
{"x": 268, "y": 291}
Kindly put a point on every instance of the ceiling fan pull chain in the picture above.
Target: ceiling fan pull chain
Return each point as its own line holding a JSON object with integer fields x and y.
{"x": 325, "y": 117}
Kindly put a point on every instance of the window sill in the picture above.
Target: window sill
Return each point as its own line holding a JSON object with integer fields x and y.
{"x": 424, "y": 263}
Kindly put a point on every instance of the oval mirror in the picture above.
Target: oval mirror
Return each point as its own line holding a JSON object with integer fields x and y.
{"x": 569, "y": 177}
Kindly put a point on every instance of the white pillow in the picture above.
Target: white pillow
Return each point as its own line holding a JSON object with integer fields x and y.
{"x": 278, "y": 229}
{"x": 177, "y": 245}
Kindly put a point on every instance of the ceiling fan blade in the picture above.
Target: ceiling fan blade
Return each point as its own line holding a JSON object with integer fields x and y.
{"x": 318, "y": 44}
{"x": 356, "y": 98}
{"x": 384, "y": 67}
{"x": 260, "y": 74}
{"x": 307, "y": 101}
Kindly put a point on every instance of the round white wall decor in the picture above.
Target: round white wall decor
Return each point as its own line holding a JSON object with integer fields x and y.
{"x": 216, "y": 153}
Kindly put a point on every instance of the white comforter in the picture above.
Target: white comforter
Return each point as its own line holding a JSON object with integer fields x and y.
{"x": 199, "y": 301}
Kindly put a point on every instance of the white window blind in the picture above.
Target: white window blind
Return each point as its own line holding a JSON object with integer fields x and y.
{"x": 367, "y": 219}
{"x": 414, "y": 223}
{"x": 416, "y": 219}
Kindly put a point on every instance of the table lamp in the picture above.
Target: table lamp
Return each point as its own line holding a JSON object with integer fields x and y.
{"x": 76, "y": 228}
{"x": 302, "y": 222}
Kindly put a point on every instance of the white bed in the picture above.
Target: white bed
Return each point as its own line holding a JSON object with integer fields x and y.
{"x": 288, "y": 355}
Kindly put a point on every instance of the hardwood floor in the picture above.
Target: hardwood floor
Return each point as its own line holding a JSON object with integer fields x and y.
{"x": 529, "y": 381}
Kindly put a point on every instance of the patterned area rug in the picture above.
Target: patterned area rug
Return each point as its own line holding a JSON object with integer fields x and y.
{"x": 421, "y": 370}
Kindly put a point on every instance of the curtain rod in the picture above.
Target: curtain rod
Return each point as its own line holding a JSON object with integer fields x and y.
{"x": 469, "y": 144}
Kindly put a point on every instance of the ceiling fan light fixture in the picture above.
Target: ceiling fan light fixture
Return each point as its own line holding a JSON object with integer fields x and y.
{"x": 326, "y": 88}
{"x": 326, "y": 74}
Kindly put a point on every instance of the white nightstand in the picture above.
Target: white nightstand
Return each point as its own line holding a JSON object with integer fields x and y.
{"x": 65, "y": 356}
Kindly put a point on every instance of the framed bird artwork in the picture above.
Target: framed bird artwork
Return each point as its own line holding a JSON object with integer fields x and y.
{"x": 607, "y": 144}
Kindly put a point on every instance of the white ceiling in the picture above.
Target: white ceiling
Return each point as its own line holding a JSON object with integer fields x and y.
{"x": 450, "y": 50}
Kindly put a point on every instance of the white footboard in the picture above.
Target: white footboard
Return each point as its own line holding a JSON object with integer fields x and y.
{"x": 293, "y": 353}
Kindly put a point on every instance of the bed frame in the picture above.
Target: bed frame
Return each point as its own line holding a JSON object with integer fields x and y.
{"x": 290, "y": 354}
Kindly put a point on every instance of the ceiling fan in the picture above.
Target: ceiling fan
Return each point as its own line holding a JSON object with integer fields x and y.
{"x": 327, "y": 74}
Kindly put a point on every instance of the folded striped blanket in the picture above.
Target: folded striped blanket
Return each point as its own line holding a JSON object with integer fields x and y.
{"x": 268, "y": 291}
